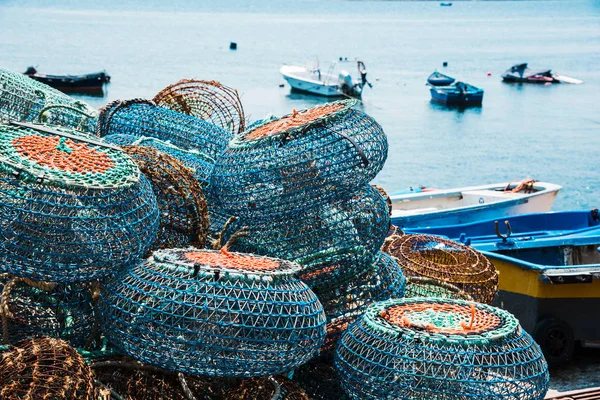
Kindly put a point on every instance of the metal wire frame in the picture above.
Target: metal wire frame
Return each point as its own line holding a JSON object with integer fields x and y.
{"x": 200, "y": 164}
{"x": 267, "y": 388}
{"x": 212, "y": 313}
{"x": 25, "y": 99}
{"x": 331, "y": 242}
{"x": 71, "y": 209}
{"x": 300, "y": 161}
{"x": 45, "y": 368}
{"x": 35, "y": 309}
{"x": 447, "y": 261}
{"x": 439, "y": 349}
{"x": 382, "y": 280}
{"x": 418, "y": 286}
{"x": 183, "y": 209}
{"x": 207, "y": 100}
{"x": 139, "y": 117}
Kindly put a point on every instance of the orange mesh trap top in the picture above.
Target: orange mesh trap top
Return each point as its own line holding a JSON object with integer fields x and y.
{"x": 232, "y": 261}
{"x": 293, "y": 121}
{"x": 65, "y": 155}
{"x": 442, "y": 318}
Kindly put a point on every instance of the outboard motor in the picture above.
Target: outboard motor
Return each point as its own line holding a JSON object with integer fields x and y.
{"x": 345, "y": 82}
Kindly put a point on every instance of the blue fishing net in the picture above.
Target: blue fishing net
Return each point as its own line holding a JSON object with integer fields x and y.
{"x": 25, "y": 99}
{"x": 214, "y": 313}
{"x": 139, "y": 117}
{"x": 331, "y": 242}
{"x": 199, "y": 163}
{"x": 72, "y": 209}
{"x": 426, "y": 348}
{"x": 37, "y": 309}
{"x": 300, "y": 161}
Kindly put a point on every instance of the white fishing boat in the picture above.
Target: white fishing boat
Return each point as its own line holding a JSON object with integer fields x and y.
{"x": 315, "y": 81}
{"x": 439, "y": 207}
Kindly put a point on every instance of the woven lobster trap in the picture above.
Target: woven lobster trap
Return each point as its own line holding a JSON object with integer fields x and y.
{"x": 418, "y": 286}
{"x": 447, "y": 261}
{"x": 299, "y": 161}
{"x": 45, "y": 368}
{"x": 331, "y": 242}
{"x": 386, "y": 196}
{"x": 200, "y": 164}
{"x": 71, "y": 208}
{"x": 335, "y": 328}
{"x": 207, "y": 100}
{"x": 213, "y": 313}
{"x": 183, "y": 209}
{"x": 382, "y": 280}
{"x": 25, "y": 99}
{"x": 267, "y": 388}
{"x": 320, "y": 381}
{"x": 35, "y": 309}
{"x": 423, "y": 348}
{"x": 134, "y": 381}
{"x": 140, "y": 117}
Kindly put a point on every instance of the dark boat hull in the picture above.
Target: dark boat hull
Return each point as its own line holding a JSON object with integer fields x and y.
{"x": 90, "y": 83}
{"x": 438, "y": 79}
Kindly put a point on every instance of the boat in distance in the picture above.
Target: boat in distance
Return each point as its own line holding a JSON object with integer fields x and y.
{"x": 86, "y": 83}
{"x": 439, "y": 79}
{"x": 474, "y": 203}
{"x": 458, "y": 94}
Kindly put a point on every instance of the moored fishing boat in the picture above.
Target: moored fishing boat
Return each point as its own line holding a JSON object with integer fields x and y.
{"x": 87, "y": 83}
{"x": 518, "y": 228}
{"x": 439, "y": 79}
{"x": 553, "y": 287}
{"x": 470, "y": 204}
{"x": 520, "y": 73}
{"x": 460, "y": 93}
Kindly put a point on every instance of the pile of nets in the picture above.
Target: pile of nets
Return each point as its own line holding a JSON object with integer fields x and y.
{"x": 439, "y": 348}
{"x": 72, "y": 209}
{"x": 45, "y": 368}
{"x": 267, "y": 388}
{"x": 25, "y": 99}
{"x": 214, "y": 313}
{"x": 447, "y": 261}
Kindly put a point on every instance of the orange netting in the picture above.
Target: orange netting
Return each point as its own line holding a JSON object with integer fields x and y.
{"x": 61, "y": 154}
{"x": 232, "y": 261}
{"x": 318, "y": 272}
{"x": 295, "y": 120}
{"x": 451, "y": 318}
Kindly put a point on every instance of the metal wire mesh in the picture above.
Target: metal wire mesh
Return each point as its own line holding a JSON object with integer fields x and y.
{"x": 45, "y": 368}
{"x": 213, "y": 313}
{"x": 331, "y": 242}
{"x": 440, "y": 349}
{"x": 24, "y": 99}
{"x": 183, "y": 210}
{"x": 140, "y": 117}
{"x": 133, "y": 382}
{"x": 447, "y": 261}
{"x": 320, "y": 381}
{"x": 200, "y": 164}
{"x": 207, "y": 100}
{"x": 267, "y": 388}
{"x": 35, "y": 309}
{"x": 381, "y": 281}
{"x": 297, "y": 162}
{"x": 71, "y": 209}
{"x": 418, "y": 286}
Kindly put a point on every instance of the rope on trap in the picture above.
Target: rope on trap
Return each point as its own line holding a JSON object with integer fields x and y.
{"x": 71, "y": 208}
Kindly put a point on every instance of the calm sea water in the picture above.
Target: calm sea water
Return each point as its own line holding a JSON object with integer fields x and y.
{"x": 549, "y": 133}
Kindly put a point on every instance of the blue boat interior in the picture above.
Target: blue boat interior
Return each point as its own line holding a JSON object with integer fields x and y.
{"x": 519, "y": 229}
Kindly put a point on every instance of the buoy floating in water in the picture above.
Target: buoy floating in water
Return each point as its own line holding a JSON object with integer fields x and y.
{"x": 445, "y": 63}
{"x": 489, "y": 74}
{"x": 233, "y": 46}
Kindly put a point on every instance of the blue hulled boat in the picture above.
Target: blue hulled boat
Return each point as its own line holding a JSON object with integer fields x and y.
{"x": 460, "y": 93}
{"x": 492, "y": 234}
{"x": 439, "y": 79}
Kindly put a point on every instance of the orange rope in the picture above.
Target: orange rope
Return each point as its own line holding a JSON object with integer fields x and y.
{"x": 228, "y": 260}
